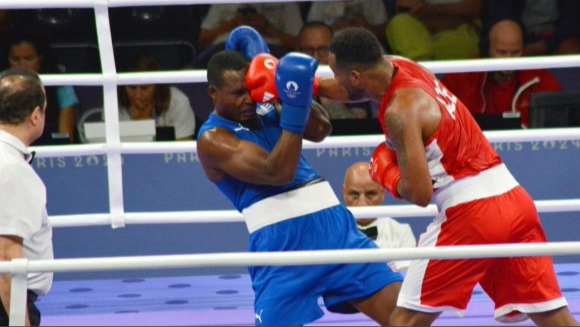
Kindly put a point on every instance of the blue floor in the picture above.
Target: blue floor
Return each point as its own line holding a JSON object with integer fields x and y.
{"x": 217, "y": 300}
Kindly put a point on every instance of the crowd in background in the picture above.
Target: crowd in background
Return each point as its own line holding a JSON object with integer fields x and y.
{"x": 54, "y": 41}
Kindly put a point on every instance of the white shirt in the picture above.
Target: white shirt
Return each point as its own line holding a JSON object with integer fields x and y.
{"x": 23, "y": 208}
{"x": 392, "y": 235}
{"x": 285, "y": 17}
{"x": 179, "y": 115}
{"x": 329, "y": 12}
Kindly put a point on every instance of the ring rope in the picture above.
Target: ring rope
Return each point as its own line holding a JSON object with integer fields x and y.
{"x": 437, "y": 67}
{"x": 530, "y": 135}
{"x": 230, "y": 216}
{"x": 296, "y": 258}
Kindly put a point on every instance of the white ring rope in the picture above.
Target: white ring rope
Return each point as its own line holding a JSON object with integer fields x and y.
{"x": 535, "y": 135}
{"x": 437, "y": 67}
{"x": 294, "y": 258}
{"x": 230, "y": 216}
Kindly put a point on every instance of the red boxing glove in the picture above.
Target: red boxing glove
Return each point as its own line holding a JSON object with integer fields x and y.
{"x": 261, "y": 78}
{"x": 384, "y": 170}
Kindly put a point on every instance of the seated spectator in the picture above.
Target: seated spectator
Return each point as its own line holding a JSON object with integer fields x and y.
{"x": 314, "y": 40}
{"x": 496, "y": 93}
{"x": 550, "y": 27}
{"x": 369, "y": 14}
{"x": 278, "y": 23}
{"x": 165, "y": 104}
{"x": 435, "y": 29}
{"x": 31, "y": 51}
{"x": 360, "y": 190}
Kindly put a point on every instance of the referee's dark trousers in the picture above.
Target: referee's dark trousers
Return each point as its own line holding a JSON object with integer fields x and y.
{"x": 33, "y": 312}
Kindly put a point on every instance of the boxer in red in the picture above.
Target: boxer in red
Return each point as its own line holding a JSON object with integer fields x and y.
{"x": 435, "y": 151}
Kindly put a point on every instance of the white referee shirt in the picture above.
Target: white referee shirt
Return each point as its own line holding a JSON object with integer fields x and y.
{"x": 23, "y": 208}
{"x": 392, "y": 235}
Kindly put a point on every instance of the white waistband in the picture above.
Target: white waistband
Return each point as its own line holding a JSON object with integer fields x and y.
{"x": 292, "y": 204}
{"x": 492, "y": 182}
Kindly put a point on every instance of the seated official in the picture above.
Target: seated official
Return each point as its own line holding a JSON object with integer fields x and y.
{"x": 360, "y": 190}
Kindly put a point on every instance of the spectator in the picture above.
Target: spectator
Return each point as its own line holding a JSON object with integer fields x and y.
{"x": 369, "y": 14}
{"x": 360, "y": 190}
{"x": 435, "y": 29}
{"x": 502, "y": 92}
{"x": 314, "y": 40}
{"x": 278, "y": 23}
{"x": 550, "y": 27}
{"x": 31, "y": 51}
{"x": 25, "y": 230}
{"x": 167, "y": 105}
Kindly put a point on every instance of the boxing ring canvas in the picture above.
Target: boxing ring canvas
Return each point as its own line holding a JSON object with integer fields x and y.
{"x": 221, "y": 300}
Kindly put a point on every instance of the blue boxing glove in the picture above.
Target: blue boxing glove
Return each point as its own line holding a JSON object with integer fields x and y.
{"x": 248, "y": 41}
{"x": 295, "y": 85}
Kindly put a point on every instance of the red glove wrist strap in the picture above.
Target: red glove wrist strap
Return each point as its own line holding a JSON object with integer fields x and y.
{"x": 391, "y": 179}
{"x": 316, "y": 86}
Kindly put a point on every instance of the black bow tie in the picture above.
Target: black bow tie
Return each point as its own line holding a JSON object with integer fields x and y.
{"x": 371, "y": 232}
{"x": 30, "y": 157}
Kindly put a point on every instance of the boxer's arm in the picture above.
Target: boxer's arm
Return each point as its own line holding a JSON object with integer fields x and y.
{"x": 409, "y": 120}
{"x": 222, "y": 153}
{"x": 319, "y": 125}
{"x": 260, "y": 82}
{"x": 331, "y": 89}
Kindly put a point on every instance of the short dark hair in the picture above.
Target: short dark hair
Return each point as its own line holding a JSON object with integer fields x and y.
{"x": 222, "y": 62}
{"x": 21, "y": 92}
{"x": 39, "y": 42}
{"x": 356, "y": 47}
{"x": 316, "y": 24}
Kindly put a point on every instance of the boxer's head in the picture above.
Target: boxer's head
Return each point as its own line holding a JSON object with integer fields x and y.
{"x": 354, "y": 55}
{"x": 226, "y": 75}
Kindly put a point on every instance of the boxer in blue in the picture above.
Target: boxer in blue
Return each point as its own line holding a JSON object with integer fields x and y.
{"x": 252, "y": 152}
